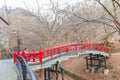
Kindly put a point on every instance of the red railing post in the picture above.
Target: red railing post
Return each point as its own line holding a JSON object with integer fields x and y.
{"x": 67, "y": 50}
{"x": 106, "y": 50}
{"x": 34, "y": 57}
{"x": 58, "y": 50}
{"x": 23, "y": 54}
{"x": 40, "y": 57}
{"x": 28, "y": 57}
{"x": 15, "y": 57}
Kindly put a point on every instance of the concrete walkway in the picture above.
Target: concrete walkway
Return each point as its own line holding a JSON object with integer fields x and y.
{"x": 8, "y": 70}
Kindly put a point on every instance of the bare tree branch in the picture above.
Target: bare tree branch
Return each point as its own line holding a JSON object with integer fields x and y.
{"x": 113, "y": 17}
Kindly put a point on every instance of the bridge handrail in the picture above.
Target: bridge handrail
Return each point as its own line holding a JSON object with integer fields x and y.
{"x": 58, "y": 50}
{"x": 29, "y": 71}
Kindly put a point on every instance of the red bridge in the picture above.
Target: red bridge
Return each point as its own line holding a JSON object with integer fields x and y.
{"x": 48, "y": 57}
{"x": 49, "y": 52}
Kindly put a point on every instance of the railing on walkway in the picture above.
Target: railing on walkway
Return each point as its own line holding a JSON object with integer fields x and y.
{"x": 49, "y": 52}
{"x": 24, "y": 69}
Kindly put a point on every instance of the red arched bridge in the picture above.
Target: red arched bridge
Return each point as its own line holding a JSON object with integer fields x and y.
{"x": 47, "y": 57}
{"x": 50, "y": 52}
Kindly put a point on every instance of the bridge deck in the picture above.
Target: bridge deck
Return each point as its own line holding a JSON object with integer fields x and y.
{"x": 48, "y": 62}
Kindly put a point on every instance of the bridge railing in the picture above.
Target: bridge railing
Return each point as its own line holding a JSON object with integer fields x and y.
{"x": 50, "y": 52}
{"x": 24, "y": 69}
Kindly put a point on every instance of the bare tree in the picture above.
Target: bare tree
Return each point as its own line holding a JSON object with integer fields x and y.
{"x": 86, "y": 21}
{"x": 112, "y": 9}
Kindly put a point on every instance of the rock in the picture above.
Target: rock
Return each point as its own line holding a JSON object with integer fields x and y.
{"x": 92, "y": 70}
{"x": 106, "y": 71}
{"x": 87, "y": 70}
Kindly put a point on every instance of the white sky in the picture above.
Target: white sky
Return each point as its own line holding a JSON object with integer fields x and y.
{"x": 32, "y": 3}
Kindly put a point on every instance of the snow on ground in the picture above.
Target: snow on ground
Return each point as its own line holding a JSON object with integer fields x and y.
{"x": 6, "y": 61}
{"x": 8, "y": 70}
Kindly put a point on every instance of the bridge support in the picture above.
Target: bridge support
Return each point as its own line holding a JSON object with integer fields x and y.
{"x": 54, "y": 70}
{"x": 62, "y": 72}
{"x": 45, "y": 74}
{"x": 92, "y": 59}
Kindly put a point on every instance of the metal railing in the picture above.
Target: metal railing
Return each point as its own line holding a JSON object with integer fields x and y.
{"x": 24, "y": 69}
